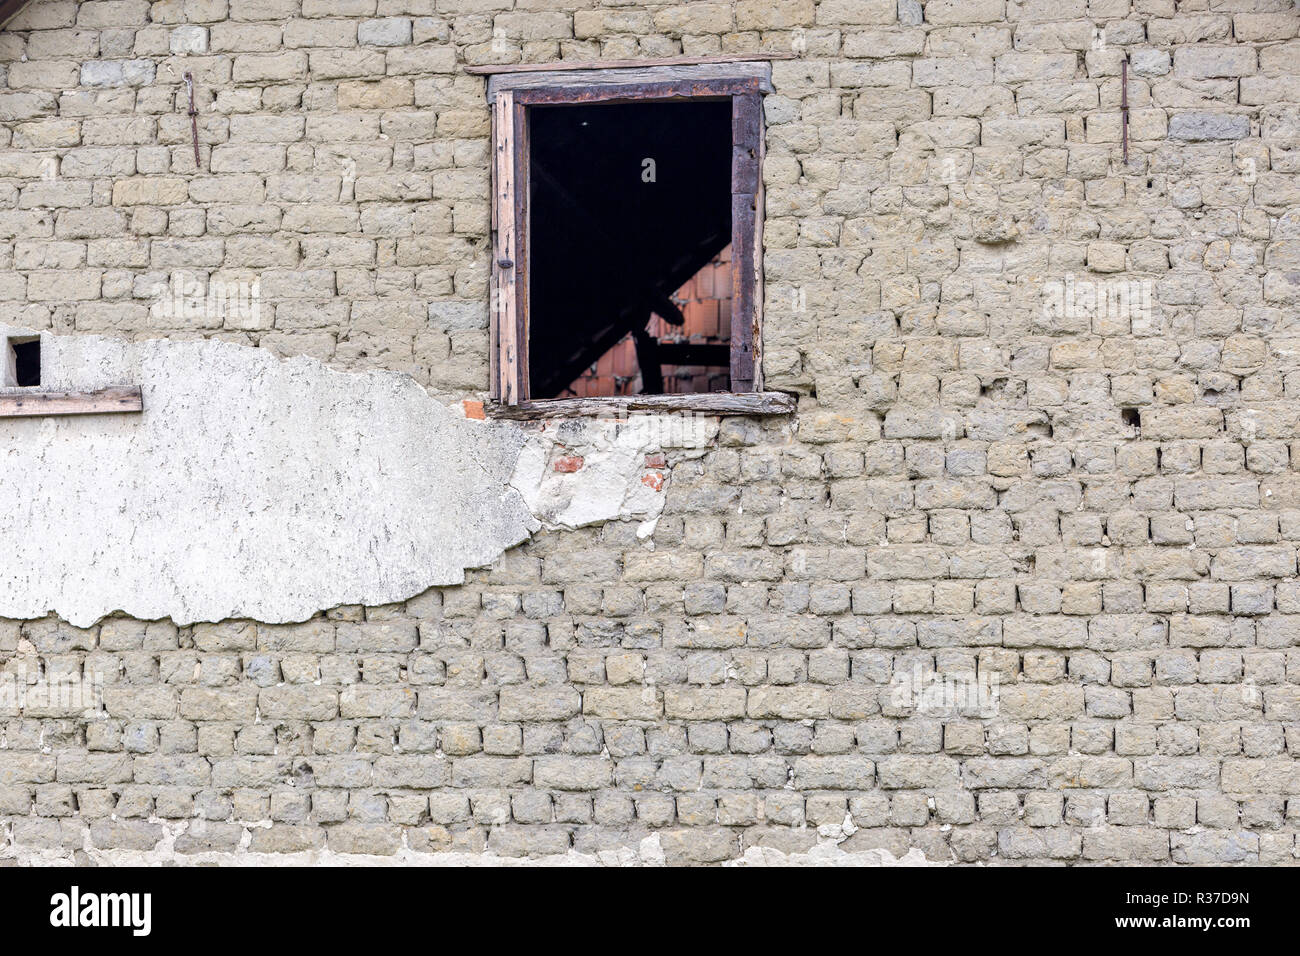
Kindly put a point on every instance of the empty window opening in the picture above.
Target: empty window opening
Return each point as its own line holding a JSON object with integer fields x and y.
{"x": 629, "y": 270}
{"x": 24, "y": 362}
{"x": 627, "y": 229}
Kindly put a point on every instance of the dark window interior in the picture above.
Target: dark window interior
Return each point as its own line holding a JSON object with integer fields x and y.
{"x": 612, "y": 249}
{"x": 27, "y": 362}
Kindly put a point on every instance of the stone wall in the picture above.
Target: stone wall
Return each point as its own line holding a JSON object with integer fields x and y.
{"x": 1016, "y": 584}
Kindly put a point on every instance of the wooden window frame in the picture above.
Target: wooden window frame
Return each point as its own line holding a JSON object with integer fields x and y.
{"x": 511, "y": 94}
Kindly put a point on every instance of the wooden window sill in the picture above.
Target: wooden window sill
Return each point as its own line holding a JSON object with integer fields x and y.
{"x": 712, "y": 403}
{"x": 23, "y": 402}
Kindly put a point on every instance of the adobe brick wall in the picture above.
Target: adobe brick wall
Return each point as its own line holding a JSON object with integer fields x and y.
{"x": 1094, "y": 511}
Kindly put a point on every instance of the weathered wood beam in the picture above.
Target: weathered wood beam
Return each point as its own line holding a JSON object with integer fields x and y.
{"x": 507, "y": 376}
{"x": 634, "y": 92}
{"x": 746, "y": 245}
{"x": 648, "y": 360}
{"x": 567, "y": 65}
{"x": 759, "y": 73}
{"x": 523, "y": 189}
{"x": 19, "y": 404}
{"x": 710, "y": 403}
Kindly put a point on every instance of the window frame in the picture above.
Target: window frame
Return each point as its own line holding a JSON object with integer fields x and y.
{"x": 511, "y": 95}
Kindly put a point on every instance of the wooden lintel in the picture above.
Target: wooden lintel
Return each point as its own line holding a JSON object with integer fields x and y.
{"x": 751, "y": 71}
{"x": 635, "y": 92}
{"x": 494, "y": 68}
{"x": 30, "y": 402}
{"x": 708, "y": 403}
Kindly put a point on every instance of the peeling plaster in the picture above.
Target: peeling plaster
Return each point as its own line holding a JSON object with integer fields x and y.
{"x": 255, "y": 487}
{"x": 614, "y": 481}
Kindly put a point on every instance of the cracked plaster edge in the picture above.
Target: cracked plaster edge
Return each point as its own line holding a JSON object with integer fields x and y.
{"x": 537, "y": 440}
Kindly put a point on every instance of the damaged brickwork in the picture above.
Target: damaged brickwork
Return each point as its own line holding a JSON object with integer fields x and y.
{"x": 1017, "y": 582}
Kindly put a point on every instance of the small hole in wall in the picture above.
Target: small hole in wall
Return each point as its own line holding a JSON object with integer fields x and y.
{"x": 1132, "y": 417}
{"x": 25, "y": 361}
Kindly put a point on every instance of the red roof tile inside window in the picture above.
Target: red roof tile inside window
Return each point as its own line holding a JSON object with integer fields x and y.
{"x": 705, "y": 301}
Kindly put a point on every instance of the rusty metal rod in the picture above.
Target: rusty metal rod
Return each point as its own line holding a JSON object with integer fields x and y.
{"x": 194, "y": 119}
{"x": 1123, "y": 103}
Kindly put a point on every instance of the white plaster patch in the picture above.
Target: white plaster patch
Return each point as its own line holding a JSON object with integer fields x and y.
{"x": 581, "y": 472}
{"x": 249, "y": 487}
{"x": 252, "y": 487}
